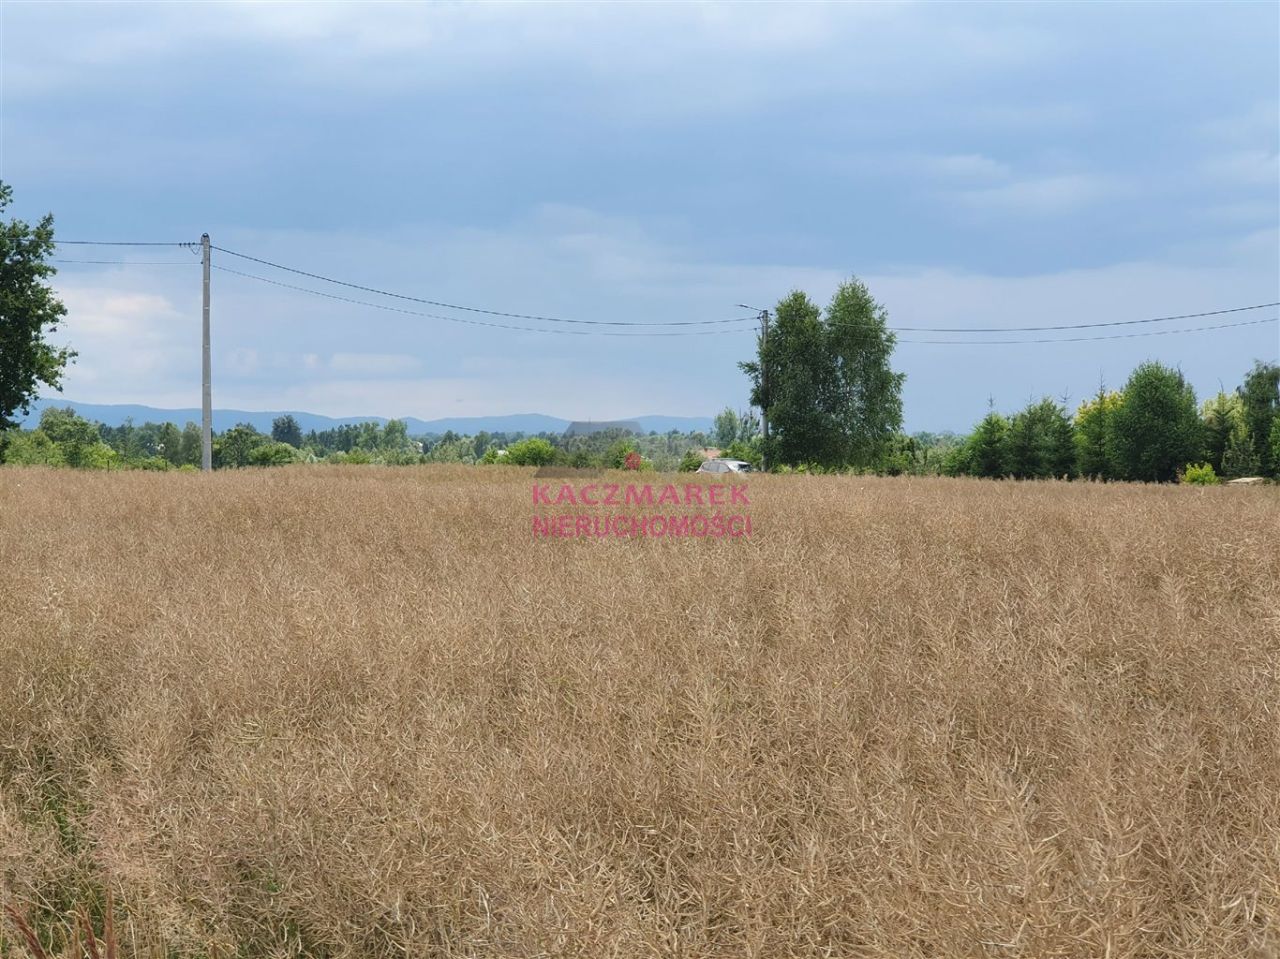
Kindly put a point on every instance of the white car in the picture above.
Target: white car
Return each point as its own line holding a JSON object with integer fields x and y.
{"x": 725, "y": 466}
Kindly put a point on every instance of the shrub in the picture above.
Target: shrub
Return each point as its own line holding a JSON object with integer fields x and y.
{"x": 691, "y": 461}
{"x": 1199, "y": 474}
{"x": 632, "y": 461}
{"x": 534, "y": 451}
{"x": 273, "y": 454}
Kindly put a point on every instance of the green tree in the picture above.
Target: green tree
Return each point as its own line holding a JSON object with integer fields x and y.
{"x": 1093, "y": 426}
{"x": 273, "y": 453}
{"x": 866, "y": 402}
{"x": 1220, "y": 416}
{"x": 286, "y": 429}
{"x": 1260, "y": 398}
{"x": 190, "y": 446}
{"x": 531, "y": 452}
{"x": 986, "y": 447}
{"x": 727, "y": 427}
{"x": 234, "y": 447}
{"x": 1039, "y": 443}
{"x": 32, "y": 448}
{"x": 28, "y": 313}
{"x": 74, "y": 436}
{"x": 1275, "y": 439}
{"x": 1155, "y": 430}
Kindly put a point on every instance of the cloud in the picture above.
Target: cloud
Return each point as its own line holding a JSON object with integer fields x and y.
{"x": 388, "y": 364}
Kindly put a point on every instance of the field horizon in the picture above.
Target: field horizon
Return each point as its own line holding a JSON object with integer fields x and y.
{"x": 364, "y": 711}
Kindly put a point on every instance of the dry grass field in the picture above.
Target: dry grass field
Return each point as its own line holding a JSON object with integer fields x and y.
{"x": 364, "y": 712}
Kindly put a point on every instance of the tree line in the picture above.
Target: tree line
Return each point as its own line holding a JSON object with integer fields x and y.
{"x": 1151, "y": 430}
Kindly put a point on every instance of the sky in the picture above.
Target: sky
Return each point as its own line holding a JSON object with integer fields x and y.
{"x": 1013, "y": 165}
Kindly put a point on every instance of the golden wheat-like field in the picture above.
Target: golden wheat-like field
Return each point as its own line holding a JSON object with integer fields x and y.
{"x": 366, "y": 712}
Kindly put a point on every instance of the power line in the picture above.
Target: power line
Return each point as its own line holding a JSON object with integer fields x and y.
{"x": 625, "y": 323}
{"x": 459, "y": 319}
{"x": 474, "y": 309}
{"x": 129, "y": 262}
{"x": 1112, "y": 336}
{"x": 527, "y": 329}
{"x": 117, "y": 243}
{"x": 1076, "y": 326}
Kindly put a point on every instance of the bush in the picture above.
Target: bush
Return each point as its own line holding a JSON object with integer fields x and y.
{"x": 534, "y": 451}
{"x": 1199, "y": 474}
{"x": 273, "y": 454}
{"x": 691, "y": 461}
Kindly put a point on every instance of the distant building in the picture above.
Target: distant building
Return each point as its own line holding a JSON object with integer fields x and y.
{"x": 587, "y": 427}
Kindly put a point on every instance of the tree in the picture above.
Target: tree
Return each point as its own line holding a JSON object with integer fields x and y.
{"x": 727, "y": 427}
{"x": 1093, "y": 426}
{"x": 28, "y": 313}
{"x": 286, "y": 429}
{"x": 236, "y": 445}
{"x": 788, "y": 377}
{"x": 273, "y": 453}
{"x": 1260, "y": 398}
{"x": 1222, "y": 416}
{"x": 866, "y": 403}
{"x": 1155, "y": 430}
{"x": 74, "y": 436}
{"x": 190, "y": 446}
{"x": 530, "y": 452}
{"x": 986, "y": 448}
{"x": 1040, "y": 443}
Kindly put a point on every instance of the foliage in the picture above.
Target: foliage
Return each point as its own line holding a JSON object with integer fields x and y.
{"x": 1155, "y": 429}
{"x": 1260, "y": 401}
{"x": 1221, "y": 417}
{"x": 1199, "y": 474}
{"x": 285, "y": 429}
{"x": 273, "y": 454}
{"x": 531, "y": 452}
{"x": 825, "y": 380}
{"x": 1039, "y": 443}
{"x": 727, "y": 427}
{"x": 632, "y": 461}
{"x": 690, "y": 462}
{"x": 29, "y": 311}
{"x": 1093, "y": 426}
{"x": 235, "y": 447}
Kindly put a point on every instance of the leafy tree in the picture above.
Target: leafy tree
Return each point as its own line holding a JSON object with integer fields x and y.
{"x": 286, "y": 429}
{"x": 1093, "y": 425}
{"x": 690, "y": 462}
{"x": 74, "y": 436}
{"x": 825, "y": 381}
{"x": 727, "y": 427}
{"x": 748, "y": 426}
{"x": 1260, "y": 398}
{"x": 866, "y": 405}
{"x": 790, "y": 376}
{"x": 1155, "y": 429}
{"x": 1240, "y": 458}
{"x": 234, "y": 447}
{"x": 32, "y": 448}
{"x": 190, "y": 445}
{"x": 273, "y": 453}
{"x": 28, "y": 313}
{"x": 531, "y": 452}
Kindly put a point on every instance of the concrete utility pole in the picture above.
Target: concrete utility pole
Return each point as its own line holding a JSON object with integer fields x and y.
{"x": 764, "y": 389}
{"x": 206, "y": 426}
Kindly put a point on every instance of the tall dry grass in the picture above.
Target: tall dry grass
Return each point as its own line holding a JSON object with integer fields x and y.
{"x": 363, "y": 712}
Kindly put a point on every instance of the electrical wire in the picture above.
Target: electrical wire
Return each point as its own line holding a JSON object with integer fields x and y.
{"x": 1076, "y": 326}
{"x": 459, "y": 319}
{"x": 128, "y": 262}
{"x": 476, "y": 309}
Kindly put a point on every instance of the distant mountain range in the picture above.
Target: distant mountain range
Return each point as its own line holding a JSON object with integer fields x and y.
{"x": 113, "y": 414}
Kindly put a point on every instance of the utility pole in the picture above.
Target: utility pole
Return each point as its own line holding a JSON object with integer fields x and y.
{"x": 764, "y": 390}
{"x": 206, "y": 426}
